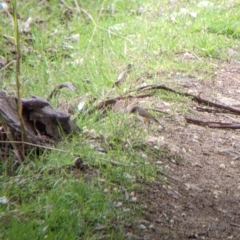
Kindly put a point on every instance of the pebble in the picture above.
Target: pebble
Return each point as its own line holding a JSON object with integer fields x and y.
{"x": 132, "y": 194}
{"x": 118, "y": 204}
{"x": 142, "y": 227}
{"x": 133, "y": 199}
{"x": 151, "y": 226}
{"x": 99, "y": 227}
{"x": 143, "y": 221}
{"x": 105, "y": 190}
{"x": 126, "y": 210}
{"x": 222, "y": 166}
{"x": 183, "y": 215}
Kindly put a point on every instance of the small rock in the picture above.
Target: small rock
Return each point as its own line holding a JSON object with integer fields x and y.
{"x": 105, "y": 190}
{"x": 171, "y": 221}
{"x": 217, "y": 228}
{"x": 132, "y": 194}
{"x": 125, "y": 210}
{"x": 99, "y": 228}
{"x": 183, "y": 215}
{"x": 127, "y": 176}
{"x": 151, "y": 226}
{"x": 142, "y": 227}
{"x": 139, "y": 10}
{"x": 3, "y": 6}
{"x": 102, "y": 180}
{"x": 143, "y": 221}
{"x": 173, "y": 160}
{"x": 134, "y": 237}
{"x": 196, "y": 164}
{"x": 144, "y": 206}
{"x": 133, "y": 199}
{"x": 222, "y": 166}
{"x": 216, "y": 194}
{"x": 193, "y": 187}
{"x": 4, "y": 200}
{"x": 158, "y": 220}
{"x": 118, "y": 204}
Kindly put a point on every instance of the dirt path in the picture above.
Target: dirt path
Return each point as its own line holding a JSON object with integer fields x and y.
{"x": 202, "y": 200}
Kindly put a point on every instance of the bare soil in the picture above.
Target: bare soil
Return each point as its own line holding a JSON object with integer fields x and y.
{"x": 202, "y": 197}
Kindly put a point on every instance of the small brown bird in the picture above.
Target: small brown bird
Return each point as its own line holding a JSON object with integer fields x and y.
{"x": 144, "y": 116}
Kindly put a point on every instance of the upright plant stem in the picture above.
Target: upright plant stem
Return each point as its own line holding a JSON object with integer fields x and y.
{"x": 17, "y": 45}
{"x": 17, "y": 74}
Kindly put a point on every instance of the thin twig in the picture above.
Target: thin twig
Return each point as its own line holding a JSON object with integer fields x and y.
{"x": 54, "y": 92}
{"x": 7, "y": 65}
{"x": 116, "y": 163}
{"x": 37, "y": 145}
{"x": 235, "y": 225}
{"x": 233, "y": 119}
{"x": 211, "y": 124}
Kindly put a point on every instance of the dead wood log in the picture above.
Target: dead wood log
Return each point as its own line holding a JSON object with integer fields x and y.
{"x": 43, "y": 124}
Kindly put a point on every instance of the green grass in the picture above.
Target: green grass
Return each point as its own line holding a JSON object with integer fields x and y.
{"x": 48, "y": 201}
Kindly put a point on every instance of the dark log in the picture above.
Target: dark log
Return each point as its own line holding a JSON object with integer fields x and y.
{"x": 43, "y": 125}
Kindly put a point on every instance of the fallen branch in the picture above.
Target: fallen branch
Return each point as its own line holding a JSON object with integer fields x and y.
{"x": 216, "y": 107}
{"x": 193, "y": 97}
{"x": 212, "y": 124}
